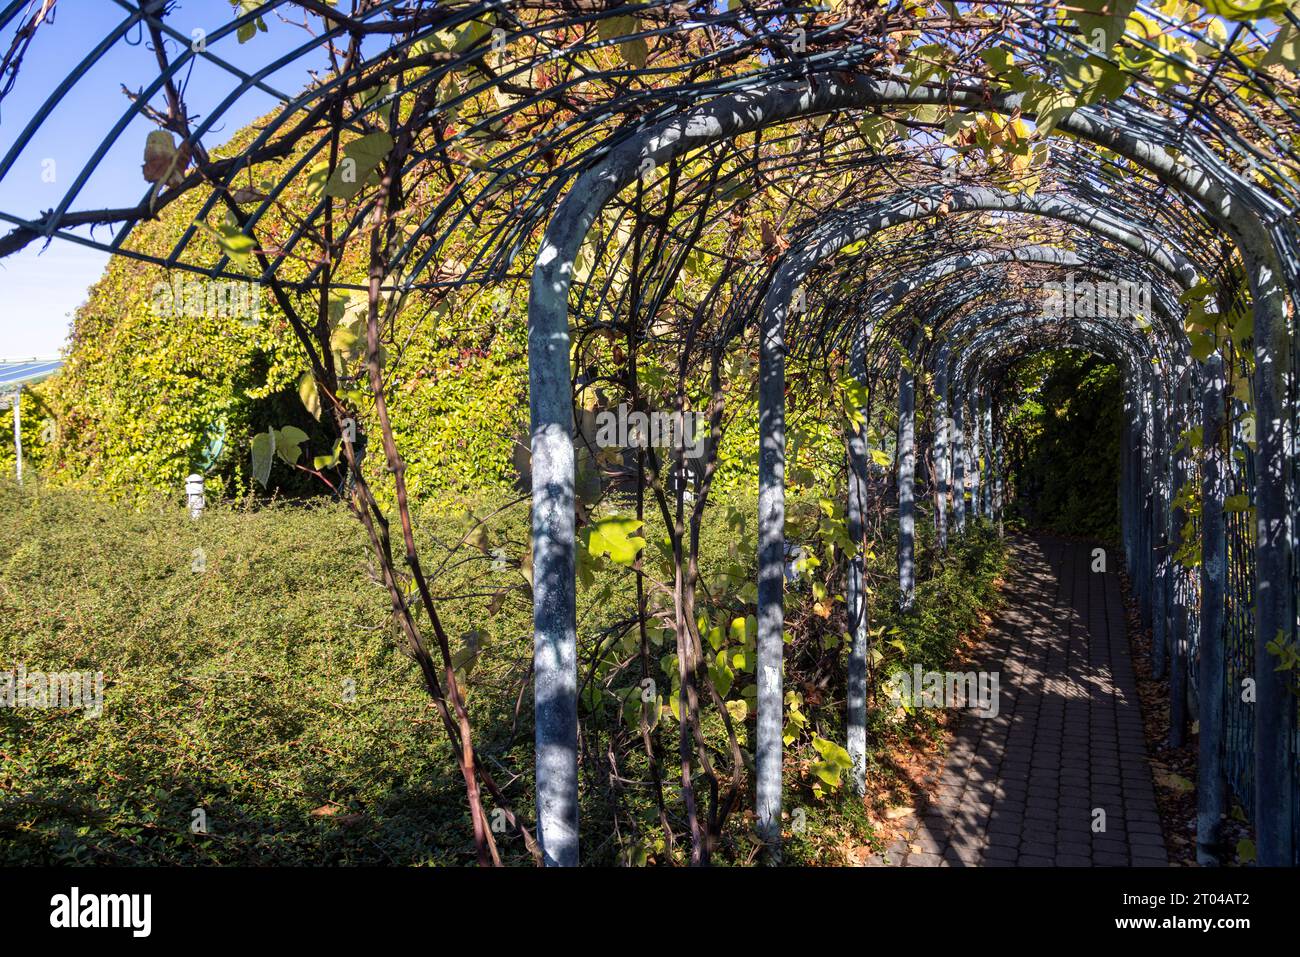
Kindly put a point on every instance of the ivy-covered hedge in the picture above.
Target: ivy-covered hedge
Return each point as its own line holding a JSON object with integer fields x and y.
{"x": 151, "y": 393}
{"x": 145, "y": 399}
{"x": 1064, "y": 444}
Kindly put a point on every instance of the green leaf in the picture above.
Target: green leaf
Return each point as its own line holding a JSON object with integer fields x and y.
{"x": 1094, "y": 80}
{"x": 1245, "y": 851}
{"x": 317, "y": 176}
{"x": 635, "y": 709}
{"x": 236, "y": 245}
{"x": 1243, "y": 328}
{"x": 327, "y": 461}
{"x": 999, "y": 59}
{"x": 232, "y": 240}
{"x": 1285, "y": 50}
{"x": 714, "y": 637}
{"x": 832, "y": 752}
{"x": 586, "y": 478}
{"x": 252, "y": 27}
{"x": 876, "y": 130}
{"x": 288, "y": 443}
{"x": 1202, "y": 346}
{"x": 458, "y": 40}
{"x": 360, "y": 158}
{"x": 1050, "y": 107}
{"x": 738, "y": 630}
{"x": 1243, "y": 10}
{"x": 835, "y": 761}
{"x": 929, "y": 113}
{"x": 721, "y": 676}
{"x": 263, "y": 455}
{"x": 635, "y": 51}
{"x": 1103, "y": 25}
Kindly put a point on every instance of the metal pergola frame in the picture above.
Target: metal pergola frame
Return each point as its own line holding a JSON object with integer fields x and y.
{"x": 1175, "y": 183}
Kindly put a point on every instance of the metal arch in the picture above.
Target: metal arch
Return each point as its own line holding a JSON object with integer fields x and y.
{"x": 1091, "y": 258}
{"x": 878, "y": 304}
{"x": 1225, "y": 200}
{"x": 756, "y": 21}
{"x": 1266, "y": 238}
{"x": 971, "y": 359}
{"x": 1154, "y": 576}
{"x": 1152, "y": 406}
{"x": 882, "y": 301}
{"x": 944, "y": 424}
{"x": 1096, "y": 337}
{"x": 825, "y": 239}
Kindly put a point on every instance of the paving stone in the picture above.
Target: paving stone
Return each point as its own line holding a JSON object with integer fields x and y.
{"x": 1110, "y": 859}
{"x": 924, "y": 860}
{"x": 1150, "y": 857}
{"x": 1073, "y": 847}
{"x": 1000, "y": 853}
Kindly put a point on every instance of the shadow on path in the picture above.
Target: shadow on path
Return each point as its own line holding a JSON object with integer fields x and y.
{"x": 1030, "y": 786}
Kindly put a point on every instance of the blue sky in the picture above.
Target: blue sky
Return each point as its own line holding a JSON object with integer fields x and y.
{"x": 42, "y": 286}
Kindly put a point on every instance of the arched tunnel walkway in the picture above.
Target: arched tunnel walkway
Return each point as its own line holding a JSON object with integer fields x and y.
{"x": 931, "y": 346}
{"x": 1059, "y": 776}
{"x": 878, "y": 198}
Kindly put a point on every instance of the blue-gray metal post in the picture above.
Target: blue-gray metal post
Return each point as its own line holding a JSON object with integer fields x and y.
{"x": 855, "y": 595}
{"x": 771, "y": 572}
{"x": 906, "y": 454}
{"x": 941, "y": 464}
{"x": 1211, "y": 786}
{"x": 958, "y": 464}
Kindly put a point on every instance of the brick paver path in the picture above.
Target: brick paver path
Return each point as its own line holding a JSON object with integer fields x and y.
{"x": 1022, "y": 788}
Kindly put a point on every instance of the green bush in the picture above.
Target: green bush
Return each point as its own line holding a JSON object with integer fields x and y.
{"x": 225, "y": 686}
{"x": 225, "y": 690}
{"x": 1063, "y": 452}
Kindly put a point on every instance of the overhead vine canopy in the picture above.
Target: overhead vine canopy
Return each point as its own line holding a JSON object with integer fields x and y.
{"x": 515, "y": 98}
{"x": 877, "y": 190}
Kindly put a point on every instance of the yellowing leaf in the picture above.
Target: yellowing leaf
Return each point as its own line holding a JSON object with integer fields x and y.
{"x": 739, "y": 710}
{"x": 163, "y": 162}
{"x": 310, "y": 397}
{"x": 1241, "y": 10}
{"x": 614, "y": 536}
